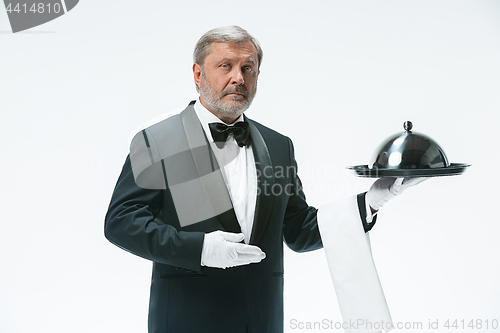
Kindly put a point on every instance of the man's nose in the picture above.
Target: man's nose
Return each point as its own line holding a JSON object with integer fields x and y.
{"x": 237, "y": 77}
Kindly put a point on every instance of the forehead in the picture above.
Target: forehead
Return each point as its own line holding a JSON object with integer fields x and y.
{"x": 239, "y": 52}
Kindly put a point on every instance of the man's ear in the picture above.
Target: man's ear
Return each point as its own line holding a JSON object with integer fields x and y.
{"x": 197, "y": 73}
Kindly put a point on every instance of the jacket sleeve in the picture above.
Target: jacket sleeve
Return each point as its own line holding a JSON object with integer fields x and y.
{"x": 300, "y": 226}
{"x": 300, "y": 230}
{"x": 133, "y": 222}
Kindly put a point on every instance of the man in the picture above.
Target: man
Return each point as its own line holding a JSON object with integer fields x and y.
{"x": 209, "y": 196}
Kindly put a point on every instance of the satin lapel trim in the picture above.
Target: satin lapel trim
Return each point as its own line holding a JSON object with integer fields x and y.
{"x": 265, "y": 181}
{"x": 208, "y": 170}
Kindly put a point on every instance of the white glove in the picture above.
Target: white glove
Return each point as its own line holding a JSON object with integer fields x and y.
{"x": 222, "y": 250}
{"x": 385, "y": 189}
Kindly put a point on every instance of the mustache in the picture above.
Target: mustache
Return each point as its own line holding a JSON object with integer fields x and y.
{"x": 237, "y": 89}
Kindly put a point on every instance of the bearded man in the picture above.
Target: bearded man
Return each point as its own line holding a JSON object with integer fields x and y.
{"x": 209, "y": 196}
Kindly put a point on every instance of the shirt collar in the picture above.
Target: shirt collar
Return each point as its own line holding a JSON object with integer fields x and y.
{"x": 206, "y": 117}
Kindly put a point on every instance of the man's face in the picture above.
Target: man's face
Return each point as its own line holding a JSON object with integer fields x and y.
{"x": 228, "y": 79}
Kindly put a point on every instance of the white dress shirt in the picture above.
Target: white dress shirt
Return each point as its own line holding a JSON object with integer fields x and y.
{"x": 238, "y": 170}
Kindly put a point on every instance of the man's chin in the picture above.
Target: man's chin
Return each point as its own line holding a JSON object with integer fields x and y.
{"x": 236, "y": 107}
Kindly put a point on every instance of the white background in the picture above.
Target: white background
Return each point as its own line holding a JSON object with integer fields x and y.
{"x": 338, "y": 77}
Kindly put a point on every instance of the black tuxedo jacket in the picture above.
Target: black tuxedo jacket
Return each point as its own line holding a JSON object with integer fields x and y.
{"x": 185, "y": 296}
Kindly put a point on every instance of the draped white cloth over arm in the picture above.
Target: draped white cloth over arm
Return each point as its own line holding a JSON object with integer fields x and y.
{"x": 354, "y": 275}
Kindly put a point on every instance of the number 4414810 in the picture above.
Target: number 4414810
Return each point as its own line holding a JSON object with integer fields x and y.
{"x": 37, "y": 8}
{"x": 472, "y": 324}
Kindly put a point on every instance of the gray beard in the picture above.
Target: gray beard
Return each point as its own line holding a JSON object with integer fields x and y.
{"x": 218, "y": 106}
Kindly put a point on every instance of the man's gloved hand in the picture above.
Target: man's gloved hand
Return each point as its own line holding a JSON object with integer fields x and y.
{"x": 222, "y": 250}
{"x": 385, "y": 189}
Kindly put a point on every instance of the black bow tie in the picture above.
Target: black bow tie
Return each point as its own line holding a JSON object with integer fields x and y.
{"x": 221, "y": 131}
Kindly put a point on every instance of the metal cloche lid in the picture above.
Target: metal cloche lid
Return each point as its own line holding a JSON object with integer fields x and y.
{"x": 409, "y": 154}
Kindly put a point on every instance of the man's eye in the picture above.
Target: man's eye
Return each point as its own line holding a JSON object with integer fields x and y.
{"x": 248, "y": 69}
{"x": 224, "y": 66}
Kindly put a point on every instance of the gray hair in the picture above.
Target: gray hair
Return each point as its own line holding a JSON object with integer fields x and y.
{"x": 232, "y": 34}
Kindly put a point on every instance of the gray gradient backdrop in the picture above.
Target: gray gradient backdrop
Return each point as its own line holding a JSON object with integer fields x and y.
{"x": 338, "y": 77}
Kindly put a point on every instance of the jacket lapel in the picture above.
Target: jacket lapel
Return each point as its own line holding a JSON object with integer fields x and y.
{"x": 265, "y": 181}
{"x": 210, "y": 176}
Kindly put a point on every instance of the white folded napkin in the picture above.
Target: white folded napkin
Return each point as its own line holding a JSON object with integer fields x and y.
{"x": 354, "y": 275}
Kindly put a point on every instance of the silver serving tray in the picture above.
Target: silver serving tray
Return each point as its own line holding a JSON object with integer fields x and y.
{"x": 452, "y": 170}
